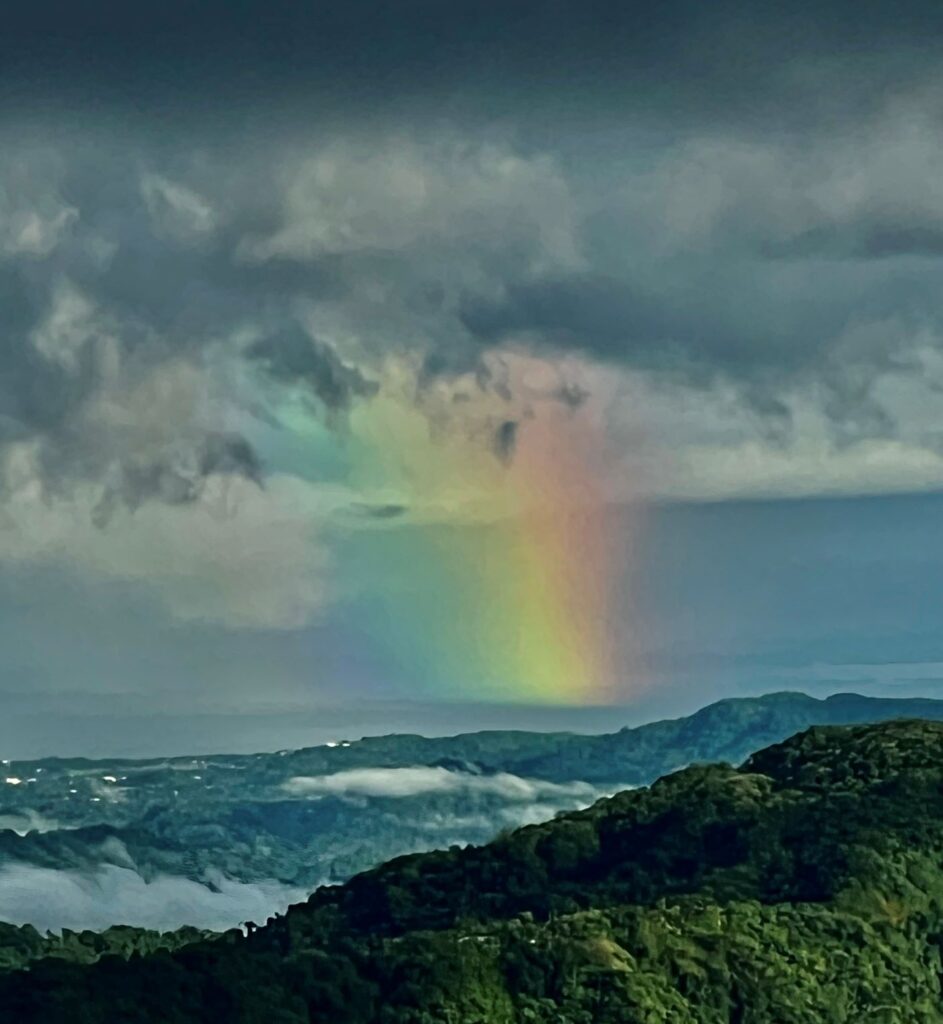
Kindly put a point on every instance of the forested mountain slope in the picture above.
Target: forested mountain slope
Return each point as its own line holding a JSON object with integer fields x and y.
{"x": 806, "y": 886}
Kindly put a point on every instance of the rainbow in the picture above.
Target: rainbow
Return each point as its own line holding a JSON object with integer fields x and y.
{"x": 537, "y": 600}
{"x": 500, "y": 580}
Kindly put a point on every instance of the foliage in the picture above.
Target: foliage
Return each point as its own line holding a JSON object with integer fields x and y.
{"x": 806, "y": 887}
{"x": 20, "y": 946}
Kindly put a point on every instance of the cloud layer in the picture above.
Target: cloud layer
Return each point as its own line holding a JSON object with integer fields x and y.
{"x": 400, "y": 783}
{"x": 51, "y": 900}
{"x": 728, "y": 268}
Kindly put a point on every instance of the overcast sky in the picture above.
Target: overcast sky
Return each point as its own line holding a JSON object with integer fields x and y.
{"x": 295, "y": 296}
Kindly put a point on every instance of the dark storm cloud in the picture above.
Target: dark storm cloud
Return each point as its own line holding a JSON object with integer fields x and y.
{"x": 837, "y": 330}
{"x": 172, "y": 268}
{"x": 864, "y": 241}
{"x": 125, "y": 291}
{"x": 505, "y": 440}
{"x": 184, "y": 233}
{"x": 176, "y": 477}
{"x": 571, "y": 395}
{"x": 56, "y": 346}
{"x": 36, "y": 396}
{"x": 606, "y": 315}
{"x": 687, "y": 56}
{"x": 379, "y": 512}
{"x": 684, "y": 335}
{"x": 292, "y": 357}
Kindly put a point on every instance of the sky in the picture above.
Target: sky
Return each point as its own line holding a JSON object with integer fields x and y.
{"x": 430, "y": 366}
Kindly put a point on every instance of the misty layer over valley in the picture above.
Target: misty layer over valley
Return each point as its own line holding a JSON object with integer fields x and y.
{"x": 214, "y": 842}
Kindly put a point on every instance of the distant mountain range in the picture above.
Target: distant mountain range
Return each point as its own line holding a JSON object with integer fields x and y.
{"x": 804, "y": 887}
{"x": 213, "y": 840}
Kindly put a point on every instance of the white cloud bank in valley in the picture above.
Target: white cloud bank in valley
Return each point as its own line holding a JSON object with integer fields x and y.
{"x": 421, "y": 781}
{"x": 51, "y": 900}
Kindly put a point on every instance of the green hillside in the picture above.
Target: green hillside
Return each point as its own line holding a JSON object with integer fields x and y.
{"x": 807, "y": 886}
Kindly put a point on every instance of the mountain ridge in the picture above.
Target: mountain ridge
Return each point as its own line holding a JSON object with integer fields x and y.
{"x": 345, "y": 750}
{"x": 804, "y": 886}
{"x": 287, "y": 822}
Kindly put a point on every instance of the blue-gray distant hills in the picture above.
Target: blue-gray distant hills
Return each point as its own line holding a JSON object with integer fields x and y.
{"x": 211, "y": 840}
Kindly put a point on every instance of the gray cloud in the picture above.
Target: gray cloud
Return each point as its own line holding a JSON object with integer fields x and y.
{"x": 125, "y": 333}
{"x": 178, "y": 477}
{"x": 101, "y": 395}
{"x": 776, "y": 265}
{"x": 292, "y": 357}
{"x": 34, "y": 218}
{"x": 177, "y": 210}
